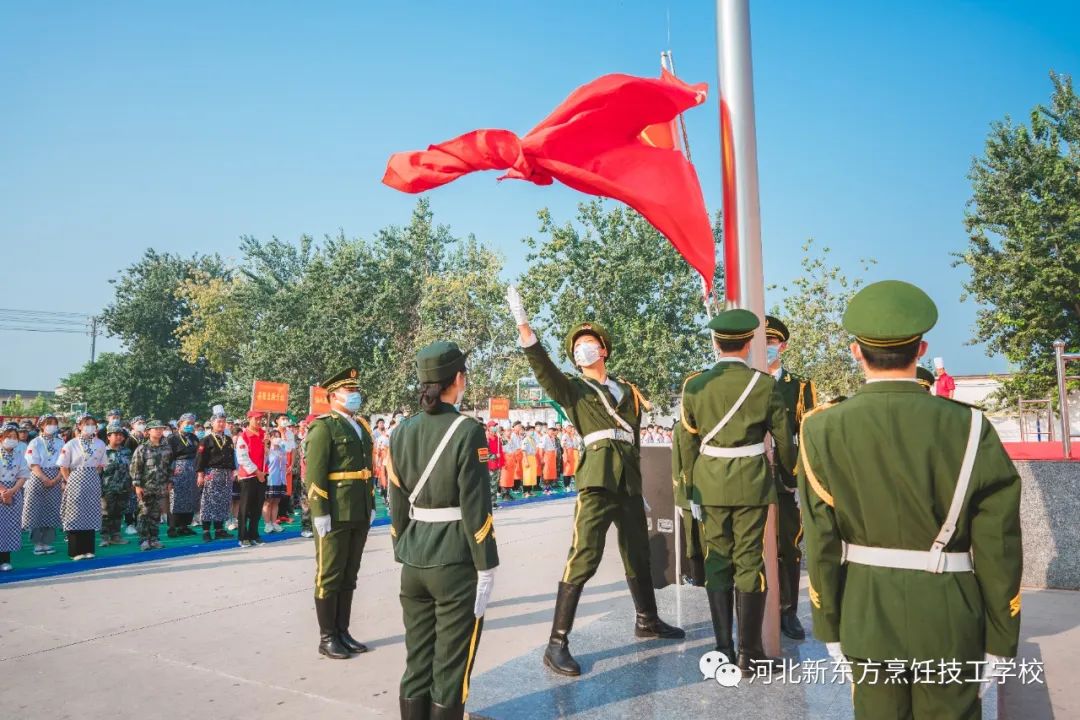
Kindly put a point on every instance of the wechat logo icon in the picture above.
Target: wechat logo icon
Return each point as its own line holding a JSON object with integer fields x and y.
{"x": 715, "y": 665}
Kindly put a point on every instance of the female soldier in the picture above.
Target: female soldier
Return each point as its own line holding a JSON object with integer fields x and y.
{"x": 81, "y": 461}
{"x": 41, "y": 511}
{"x": 440, "y": 505}
{"x": 215, "y": 464}
{"x": 185, "y": 493}
{"x": 13, "y": 475}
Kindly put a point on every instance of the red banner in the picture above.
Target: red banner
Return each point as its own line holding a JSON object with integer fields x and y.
{"x": 498, "y": 408}
{"x": 270, "y": 397}
{"x": 318, "y": 404}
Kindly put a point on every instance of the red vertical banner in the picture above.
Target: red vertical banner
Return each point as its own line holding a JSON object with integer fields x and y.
{"x": 318, "y": 403}
{"x": 269, "y": 397}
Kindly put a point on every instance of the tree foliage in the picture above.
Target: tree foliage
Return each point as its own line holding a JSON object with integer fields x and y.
{"x": 1023, "y": 220}
{"x": 613, "y": 267}
{"x": 812, "y": 308}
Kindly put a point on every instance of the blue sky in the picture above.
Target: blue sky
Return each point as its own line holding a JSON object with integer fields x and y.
{"x": 182, "y": 126}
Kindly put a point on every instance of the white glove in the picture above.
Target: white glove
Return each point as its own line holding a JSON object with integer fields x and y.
{"x": 996, "y": 668}
{"x": 695, "y": 510}
{"x": 372, "y": 518}
{"x": 836, "y": 654}
{"x": 485, "y": 583}
{"x": 645, "y": 502}
{"x": 322, "y": 525}
{"x": 517, "y": 309}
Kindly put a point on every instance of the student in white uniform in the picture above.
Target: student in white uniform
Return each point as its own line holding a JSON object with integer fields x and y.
{"x": 81, "y": 461}
{"x": 43, "y": 492}
{"x": 14, "y": 473}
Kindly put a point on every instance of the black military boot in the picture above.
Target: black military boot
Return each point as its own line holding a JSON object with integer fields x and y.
{"x": 720, "y": 608}
{"x": 441, "y": 712}
{"x": 789, "y": 601}
{"x": 648, "y": 624}
{"x": 697, "y": 571}
{"x": 329, "y": 644}
{"x": 750, "y": 610}
{"x": 415, "y": 708}
{"x": 344, "y": 612}
{"x": 557, "y": 655}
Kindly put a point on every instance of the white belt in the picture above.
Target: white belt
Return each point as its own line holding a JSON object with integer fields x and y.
{"x": 907, "y": 559}
{"x": 735, "y": 452}
{"x": 434, "y": 515}
{"x": 612, "y": 434}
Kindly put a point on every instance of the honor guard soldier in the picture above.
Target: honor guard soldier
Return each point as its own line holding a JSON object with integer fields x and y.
{"x": 682, "y": 464}
{"x": 444, "y": 537}
{"x": 925, "y": 378}
{"x": 912, "y": 513}
{"x": 728, "y": 410}
{"x": 341, "y": 495}
{"x": 800, "y": 397}
{"x": 607, "y": 412}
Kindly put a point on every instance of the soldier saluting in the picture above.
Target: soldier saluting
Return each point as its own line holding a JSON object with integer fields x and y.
{"x": 800, "y": 397}
{"x": 912, "y": 513}
{"x": 728, "y": 410}
{"x": 341, "y": 495}
{"x": 444, "y": 537}
{"x": 607, "y": 412}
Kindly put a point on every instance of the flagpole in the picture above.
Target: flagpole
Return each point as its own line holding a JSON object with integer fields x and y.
{"x": 744, "y": 278}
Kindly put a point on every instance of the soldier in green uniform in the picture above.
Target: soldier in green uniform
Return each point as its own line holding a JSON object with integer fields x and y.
{"x": 151, "y": 475}
{"x": 607, "y": 412}
{"x": 900, "y": 491}
{"x": 338, "y": 451}
{"x": 682, "y": 464}
{"x": 443, "y": 535}
{"x": 728, "y": 410}
{"x": 925, "y": 378}
{"x": 115, "y": 484}
{"x": 800, "y": 397}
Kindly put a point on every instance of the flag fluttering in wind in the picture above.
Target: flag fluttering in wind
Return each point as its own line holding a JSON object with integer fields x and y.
{"x": 605, "y": 139}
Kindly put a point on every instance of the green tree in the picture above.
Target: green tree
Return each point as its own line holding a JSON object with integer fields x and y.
{"x": 1023, "y": 222}
{"x": 14, "y": 406}
{"x": 813, "y": 307}
{"x": 612, "y": 266}
{"x": 39, "y": 406}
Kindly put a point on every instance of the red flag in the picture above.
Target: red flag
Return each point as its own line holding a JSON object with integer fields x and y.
{"x": 662, "y": 135}
{"x": 592, "y": 143}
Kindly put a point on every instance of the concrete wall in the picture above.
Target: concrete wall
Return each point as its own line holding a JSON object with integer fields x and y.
{"x": 1049, "y": 511}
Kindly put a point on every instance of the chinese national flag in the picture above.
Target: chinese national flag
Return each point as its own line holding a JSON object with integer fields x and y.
{"x": 605, "y": 139}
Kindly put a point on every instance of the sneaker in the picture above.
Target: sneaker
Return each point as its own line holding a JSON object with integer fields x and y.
{"x": 156, "y": 544}
{"x": 105, "y": 542}
{"x": 171, "y": 532}
{"x": 245, "y": 543}
{"x": 278, "y": 528}
{"x": 39, "y": 549}
{"x": 306, "y": 534}
{"x": 144, "y": 545}
{"x": 130, "y": 530}
{"x": 223, "y": 535}
{"x": 50, "y": 551}
{"x": 117, "y": 540}
{"x": 231, "y": 525}
{"x": 6, "y": 567}
{"x": 258, "y": 541}
{"x": 89, "y": 556}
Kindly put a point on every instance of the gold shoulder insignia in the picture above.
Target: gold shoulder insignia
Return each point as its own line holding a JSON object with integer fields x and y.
{"x": 824, "y": 406}
{"x": 682, "y": 403}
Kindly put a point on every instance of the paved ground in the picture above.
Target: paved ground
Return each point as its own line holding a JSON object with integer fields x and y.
{"x": 232, "y": 634}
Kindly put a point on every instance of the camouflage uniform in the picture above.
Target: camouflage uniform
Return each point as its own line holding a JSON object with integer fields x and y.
{"x": 151, "y": 470}
{"x": 115, "y": 490}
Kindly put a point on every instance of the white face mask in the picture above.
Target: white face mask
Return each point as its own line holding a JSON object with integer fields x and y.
{"x": 586, "y": 354}
{"x": 52, "y": 429}
{"x": 10, "y": 443}
{"x": 140, "y": 427}
{"x": 89, "y": 430}
{"x": 167, "y": 433}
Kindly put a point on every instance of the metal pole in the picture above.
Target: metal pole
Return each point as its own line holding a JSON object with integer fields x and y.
{"x": 93, "y": 338}
{"x": 1063, "y": 398}
{"x": 744, "y": 278}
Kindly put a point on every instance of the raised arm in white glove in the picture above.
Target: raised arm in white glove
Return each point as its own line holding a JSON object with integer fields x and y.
{"x": 526, "y": 337}
{"x": 322, "y": 524}
{"x": 485, "y": 583}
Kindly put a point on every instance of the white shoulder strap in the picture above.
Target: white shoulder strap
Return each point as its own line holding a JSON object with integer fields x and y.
{"x": 966, "y": 467}
{"x": 607, "y": 406}
{"x": 734, "y": 409}
{"x": 435, "y": 458}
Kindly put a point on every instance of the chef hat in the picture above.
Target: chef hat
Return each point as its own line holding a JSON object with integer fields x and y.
{"x": 939, "y": 363}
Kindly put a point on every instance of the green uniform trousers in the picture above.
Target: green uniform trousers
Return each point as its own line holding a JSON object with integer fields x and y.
{"x": 789, "y": 533}
{"x": 441, "y": 632}
{"x": 734, "y": 547}
{"x": 596, "y": 509}
{"x": 878, "y": 693}
{"x": 337, "y": 557}
{"x": 113, "y": 506}
{"x": 152, "y": 506}
{"x": 693, "y": 543}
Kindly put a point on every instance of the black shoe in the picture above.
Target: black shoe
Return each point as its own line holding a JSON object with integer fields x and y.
{"x": 171, "y": 532}
{"x": 789, "y": 601}
{"x": 329, "y": 644}
{"x": 223, "y": 535}
{"x": 720, "y": 608}
{"x": 750, "y": 611}
{"x": 441, "y": 712}
{"x": 344, "y": 613}
{"x": 206, "y": 536}
{"x": 185, "y": 531}
{"x": 557, "y": 655}
{"x": 415, "y": 708}
{"x": 647, "y": 623}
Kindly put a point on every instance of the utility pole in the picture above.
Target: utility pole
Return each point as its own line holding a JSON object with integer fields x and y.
{"x": 93, "y": 337}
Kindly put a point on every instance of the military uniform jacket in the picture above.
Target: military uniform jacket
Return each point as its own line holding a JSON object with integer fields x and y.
{"x": 880, "y": 469}
{"x": 338, "y": 469}
{"x": 800, "y": 397}
{"x": 460, "y": 478}
{"x": 608, "y": 464}
{"x": 115, "y": 478}
{"x": 150, "y": 466}
{"x": 707, "y": 397}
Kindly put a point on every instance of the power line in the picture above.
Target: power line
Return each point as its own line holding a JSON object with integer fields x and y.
{"x": 52, "y": 321}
